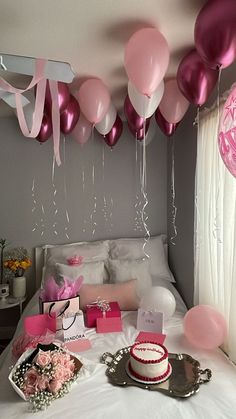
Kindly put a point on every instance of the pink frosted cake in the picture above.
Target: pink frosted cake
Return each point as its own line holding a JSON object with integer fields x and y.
{"x": 149, "y": 362}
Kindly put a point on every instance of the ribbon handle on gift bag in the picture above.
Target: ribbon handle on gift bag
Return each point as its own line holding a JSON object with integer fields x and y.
{"x": 61, "y": 312}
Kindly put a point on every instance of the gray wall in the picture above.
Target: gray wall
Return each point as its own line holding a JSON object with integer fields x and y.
{"x": 22, "y": 160}
{"x": 181, "y": 255}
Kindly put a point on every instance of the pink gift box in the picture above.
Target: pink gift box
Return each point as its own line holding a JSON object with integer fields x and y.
{"x": 109, "y": 324}
{"x": 93, "y": 313}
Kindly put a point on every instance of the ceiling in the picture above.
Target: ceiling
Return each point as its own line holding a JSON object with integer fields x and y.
{"x": 91, "y": 34}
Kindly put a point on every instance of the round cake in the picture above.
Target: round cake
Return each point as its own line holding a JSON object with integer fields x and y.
{"x": 149, "y": 362}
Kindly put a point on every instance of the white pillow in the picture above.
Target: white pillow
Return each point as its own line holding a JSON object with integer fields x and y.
{"x": 92, "y": 272}
{"x": 91, "y": 252}
{"x": 124, "y": 270}
{"x": 133, "y": 249}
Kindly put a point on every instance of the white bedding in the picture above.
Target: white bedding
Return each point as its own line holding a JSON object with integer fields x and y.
{"x": 96, "y": 398}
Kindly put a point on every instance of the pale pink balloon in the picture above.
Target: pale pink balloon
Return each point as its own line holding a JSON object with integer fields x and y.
{"x": 94, "y": 100}
{"x": 82, "y": 131}
{"x": 205, "y": 327}
{"x": 146, "y": 59}
{"x": 173, "y": 105}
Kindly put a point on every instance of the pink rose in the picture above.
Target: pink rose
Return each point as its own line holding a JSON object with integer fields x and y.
{"x": 43, "y": 358}
{"x": 28, "y": 390}
{"x": 54, "y": 386}
{"x": 67, "y": 374}
{"x": 59, "y": 372}
{"x": 42, "y": 383}
{"x": 31, "y": 377}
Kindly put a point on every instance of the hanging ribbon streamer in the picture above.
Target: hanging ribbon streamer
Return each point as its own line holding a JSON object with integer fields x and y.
{"x": 55, "y": 209}
{"x": 34, "y": 210}
{"x": 65, "y": 190}
{"x": 174, "y": 208}
{"x": 94, "y": 198}
{"x": 104, "y": 210}
{"x": 144, "y": 193}
{"x": 83, "y": 189}
{"x": 138, "y": 199}
{"x": 39, "y": 80}
{"x": 216, "y": 219}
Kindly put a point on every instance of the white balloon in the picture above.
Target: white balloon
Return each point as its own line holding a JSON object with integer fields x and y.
{"x": 145, "y": 106}
{"x": 106, "y": 124}
{"x": 159, "y": 299}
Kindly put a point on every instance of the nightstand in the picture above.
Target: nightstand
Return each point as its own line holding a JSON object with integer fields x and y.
{"x": 10, "y": 302}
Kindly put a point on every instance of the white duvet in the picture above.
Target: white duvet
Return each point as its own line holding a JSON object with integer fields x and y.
{"x": 95, "y": 398}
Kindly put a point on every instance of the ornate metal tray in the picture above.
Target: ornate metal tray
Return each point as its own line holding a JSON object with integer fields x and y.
{"x": 185, "y": 380}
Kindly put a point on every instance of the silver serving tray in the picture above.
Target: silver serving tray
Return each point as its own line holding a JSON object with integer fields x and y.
{"x": 185, "y": 380}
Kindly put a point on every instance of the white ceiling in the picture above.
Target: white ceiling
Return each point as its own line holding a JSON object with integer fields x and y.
{"x": 91, "y": 34}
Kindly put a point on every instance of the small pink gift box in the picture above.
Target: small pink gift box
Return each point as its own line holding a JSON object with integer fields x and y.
{"x": 93, "y": 312}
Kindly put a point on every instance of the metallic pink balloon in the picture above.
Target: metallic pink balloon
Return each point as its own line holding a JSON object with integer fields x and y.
{"x": 195, "y": 80}
{"x": 133, "y": 118}
{"x": 63, "y": 96}
{"x": 166, "y": 127}
{"x": 70, "y": 116}
{"x": 45, "y": 130}
{"x": 139, "y": 134}
{"x": 113, "y": 136}
{"x": 215, "y": 33}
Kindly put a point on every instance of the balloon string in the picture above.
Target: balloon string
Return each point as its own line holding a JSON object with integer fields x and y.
{"x": 65, "y": 189}
{"x": 143, "y": 189}
{"x": 104, "y": 210}
{"x": 94, "y": 199}
{"x": 34, "y": 207}
{"x": 34, "y": 210}
{"x": 215, "y": 224}
{"x": 55, "y": 209}
{"x": 137, "y": 206}
{"x": 83, "y": 189}
{"x": 174, "y": 208}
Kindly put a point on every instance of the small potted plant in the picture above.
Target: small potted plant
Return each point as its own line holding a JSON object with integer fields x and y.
{"x": 17, "y": 261}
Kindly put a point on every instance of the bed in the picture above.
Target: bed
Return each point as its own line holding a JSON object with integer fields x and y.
{"x": 96, "y": 397}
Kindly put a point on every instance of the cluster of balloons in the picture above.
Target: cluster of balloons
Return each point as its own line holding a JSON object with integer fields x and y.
{"x": 146, "y": 62}
{"x": 69, "y": 112}
{"x": 215, "y": 42}
{"x": 91, "y": 106}
{"x": 205, "y": 327}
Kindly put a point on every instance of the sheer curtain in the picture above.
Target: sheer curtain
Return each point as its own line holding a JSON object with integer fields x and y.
{"x": 215, "y": 227}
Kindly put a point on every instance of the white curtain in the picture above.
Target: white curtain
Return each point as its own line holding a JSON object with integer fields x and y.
{"x": 215, "y": 227}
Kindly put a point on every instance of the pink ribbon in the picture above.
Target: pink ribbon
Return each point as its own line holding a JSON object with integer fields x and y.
{"x": 102, "y": 305}
{"x": 38, "y": 79}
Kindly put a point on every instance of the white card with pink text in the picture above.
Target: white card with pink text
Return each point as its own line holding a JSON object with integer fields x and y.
{"x": 150, "y": 321}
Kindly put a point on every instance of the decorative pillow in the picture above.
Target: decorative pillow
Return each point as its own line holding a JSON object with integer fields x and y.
{"x": 123, "y": 270}
{"x": 91, "y": 252}
{"x": 133, "y": 249}
{"x": 125, "y": 294}
{"x": 92, "y": 272}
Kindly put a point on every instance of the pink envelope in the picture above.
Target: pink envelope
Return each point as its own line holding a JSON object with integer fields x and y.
{"x": 79, "y": 345}
{"x": 39, "y": 324}
{"x": 109, "y": 324}
{"x": 150, "y": 337}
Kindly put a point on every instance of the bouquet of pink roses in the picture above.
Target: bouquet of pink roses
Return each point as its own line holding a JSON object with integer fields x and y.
{"x": 45, "y": 375}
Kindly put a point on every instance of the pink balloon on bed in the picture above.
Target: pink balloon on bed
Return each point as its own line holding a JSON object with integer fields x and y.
{"x": 205, "y": 327}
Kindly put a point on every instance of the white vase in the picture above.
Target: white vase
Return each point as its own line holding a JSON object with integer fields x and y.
{"x": 19, "y": 286}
